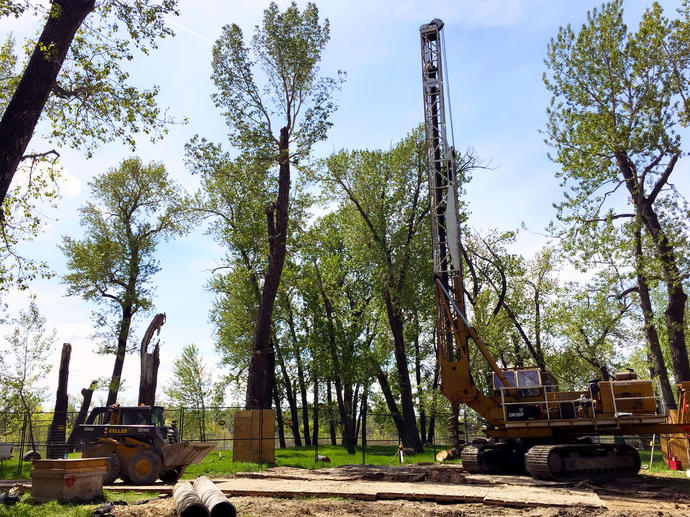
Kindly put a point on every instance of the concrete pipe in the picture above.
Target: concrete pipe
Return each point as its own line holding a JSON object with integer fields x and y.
{"x": 188, "y": 504}
{"x": 213, "y": 498}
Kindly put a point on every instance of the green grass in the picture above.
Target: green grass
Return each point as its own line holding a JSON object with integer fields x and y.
{"x": 27, "y": 507}
{"x": 8, "y": 469}
{"x": 658, "y": 465}
{"x": 303, "y": 457}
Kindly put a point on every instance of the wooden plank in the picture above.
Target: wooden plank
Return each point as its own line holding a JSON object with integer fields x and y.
{"x": 505, "y": 495}
{"x": 532, "y": 497}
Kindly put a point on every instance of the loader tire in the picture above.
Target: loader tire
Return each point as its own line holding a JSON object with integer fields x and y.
{"x": 113, "y": 471}
{"x": 143, "y": 468}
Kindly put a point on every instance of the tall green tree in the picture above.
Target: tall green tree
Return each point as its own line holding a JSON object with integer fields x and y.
{"x": 619, "y": 99}
{"x": 388, "y": 192}
{"x": 74, "y": 77}
{"x": 337, "y": 284}
{"x": 192, "y": 386}
{"x": 515, "y": 316}
{"x": 26, "y": 365}
{"x": 274, "y": 127}
{"x": 134, "y": 207}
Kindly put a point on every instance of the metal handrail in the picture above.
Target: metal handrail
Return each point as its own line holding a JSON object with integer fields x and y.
{"x": 546, "y": 401}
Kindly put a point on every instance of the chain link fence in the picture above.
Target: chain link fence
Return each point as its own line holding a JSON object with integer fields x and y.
{"x": 28, "y": 434}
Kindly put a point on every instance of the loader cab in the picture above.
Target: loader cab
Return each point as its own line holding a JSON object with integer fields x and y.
{"x": 531, "y": 382}
{"x": 134, "y": 415}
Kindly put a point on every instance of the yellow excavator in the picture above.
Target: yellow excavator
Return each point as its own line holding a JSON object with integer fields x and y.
{"x": 532, "y": 426}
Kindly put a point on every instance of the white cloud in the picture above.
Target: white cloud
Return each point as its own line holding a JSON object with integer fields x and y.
{"x": 70, "y": 185}
{"x": 75, "y": 332}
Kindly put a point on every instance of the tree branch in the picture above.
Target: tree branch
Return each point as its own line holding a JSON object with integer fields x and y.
{"x": 663, "y": 179}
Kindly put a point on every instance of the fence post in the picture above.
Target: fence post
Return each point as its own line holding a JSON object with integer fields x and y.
{"x": 181, "y": 423}
{"x": 364, "y": 443}
{"x": 20, "y": 463}
{"x": 433, "y": 436}
{"x": 316, "y": 434}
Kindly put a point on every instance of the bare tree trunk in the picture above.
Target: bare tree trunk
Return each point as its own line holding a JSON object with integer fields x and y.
{"x": 29, "y": 418}
{"x": 410, "y": 434}
{"x": 303, "y": 393}
{"x": 87, "y": 394}
{"x": 305, "y": 402}
{"x": 300, "y": 370}
{"x": 355, "y": 416}
{"x": 650, "y": 332}
{"x": 344, "y": 400}
{"x": 363, "y": 415}
{"x": 667, "y": 255}
{"x": 418, "y": 378}
{"x": 148, "y": 379}
{"x": 57, "y": 429}
{"x": 315, "y": 437}
{"x": 262, "y": 361}
{"x": 123, "y": 334}
{"x": 24, "y": 109}
{"x": 344, "y": 396}
{"x": 289, "y": 394}
{"x": 432, "y": 420}
{"x": 331, "y": 424}
{"x": 390, "y": 400}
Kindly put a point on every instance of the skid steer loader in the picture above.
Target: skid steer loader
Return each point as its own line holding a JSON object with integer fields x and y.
{"x": 139, "y": 446}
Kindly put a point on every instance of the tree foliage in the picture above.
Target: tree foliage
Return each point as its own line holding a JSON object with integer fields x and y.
{"x": 75, "y": 78}
{"x": 287, "y": 49}
{"x": 191, "y": 386}
{"x": 25, "y": 360}
{"x": 273, "y": 126}
{"x": 134, "y": 208}
{"x": 619, "y": 100}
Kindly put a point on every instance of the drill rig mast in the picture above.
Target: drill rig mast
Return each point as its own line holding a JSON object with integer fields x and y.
{"x": 443, "y": 194}
{"x": 443, "y": 190}
{"x": 451, "y": 321}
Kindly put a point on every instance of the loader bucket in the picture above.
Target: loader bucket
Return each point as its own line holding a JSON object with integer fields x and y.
{"x": 183, "y": 454}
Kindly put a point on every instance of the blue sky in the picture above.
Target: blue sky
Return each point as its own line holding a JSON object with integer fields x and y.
{"x": 495, "y": 52}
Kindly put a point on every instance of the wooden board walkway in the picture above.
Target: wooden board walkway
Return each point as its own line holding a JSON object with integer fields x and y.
{"x": 503, "y": 494}
{"x": 437, "y": 483}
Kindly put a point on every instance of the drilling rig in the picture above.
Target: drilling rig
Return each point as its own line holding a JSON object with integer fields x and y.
{"x": 532, "y": 426}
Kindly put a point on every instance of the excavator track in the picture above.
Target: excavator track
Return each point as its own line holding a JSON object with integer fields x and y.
{"x": 573, "y": 461}
{"x": 492, "y": 458}
{"x": 470, "y": 460}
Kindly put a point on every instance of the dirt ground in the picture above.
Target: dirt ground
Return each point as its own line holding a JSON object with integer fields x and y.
{"x": 643, "y": 495}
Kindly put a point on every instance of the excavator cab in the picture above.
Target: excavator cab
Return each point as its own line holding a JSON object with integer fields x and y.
{"x": 530, "y": 382}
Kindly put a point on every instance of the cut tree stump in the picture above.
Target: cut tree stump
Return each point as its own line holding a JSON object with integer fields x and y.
{"x": 55, "y": 448}
{"x": 148, "y": 378}
{"x": 87, "y": 394}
